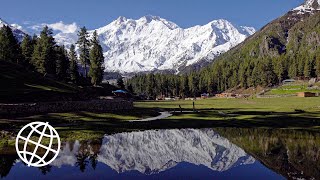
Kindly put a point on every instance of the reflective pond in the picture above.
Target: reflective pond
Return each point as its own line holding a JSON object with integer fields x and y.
{"x": 220, "y": 153}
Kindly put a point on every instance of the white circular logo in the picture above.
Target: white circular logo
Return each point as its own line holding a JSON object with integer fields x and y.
{"x": 41, "y": 144}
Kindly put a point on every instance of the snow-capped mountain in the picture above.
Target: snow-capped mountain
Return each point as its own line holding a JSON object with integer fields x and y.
{"x": 308, "y": 6}
{"x": 153, "y": 43}
{"x": 155, "y": 151}
{"x": 16, "y": 32}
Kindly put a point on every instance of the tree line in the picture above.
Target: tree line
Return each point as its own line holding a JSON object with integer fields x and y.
{"x": 223, "y": 75}
{"x": 43, "y": 55}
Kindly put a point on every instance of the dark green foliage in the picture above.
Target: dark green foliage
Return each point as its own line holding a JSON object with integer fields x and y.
{"x": 9, "y": 46}
{"x": 43, "y": 58}
{"x": 96, "y": 61}
{"x": 27, "y": 48}
{"x": 130, "y": 88}
{"x": 62, "y": 63}
{"x": 22, "y": 85}
{"x": 120, "y": 83}
{"x": 84, "y": 48}
{"x": 73, "y": 69}
{"x": 165, "y": 85}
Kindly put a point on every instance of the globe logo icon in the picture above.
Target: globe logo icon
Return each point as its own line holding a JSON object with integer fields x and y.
{"x": 38, "y": 144}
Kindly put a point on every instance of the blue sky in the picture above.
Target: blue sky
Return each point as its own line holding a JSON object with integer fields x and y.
{"x": 185, "y": 13}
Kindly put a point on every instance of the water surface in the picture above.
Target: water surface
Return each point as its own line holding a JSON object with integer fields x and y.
{"x": 224, "y": 153}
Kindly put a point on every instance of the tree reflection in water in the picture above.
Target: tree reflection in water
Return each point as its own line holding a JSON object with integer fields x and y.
{"x": 6, "y": 163}
{"x": 292, "y": 153}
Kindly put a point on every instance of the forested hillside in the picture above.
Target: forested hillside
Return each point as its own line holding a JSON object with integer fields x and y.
{"x": 288, "y": 47}
{"x": 38, "y": 69}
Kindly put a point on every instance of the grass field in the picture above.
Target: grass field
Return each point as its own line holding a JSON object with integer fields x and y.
{"x": 287, "y": 112}
{"x": 294, "y": 88}
{"x": 280, "y": 113}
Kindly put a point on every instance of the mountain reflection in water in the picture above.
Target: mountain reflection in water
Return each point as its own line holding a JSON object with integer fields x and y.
{"x": 184, "y": 153}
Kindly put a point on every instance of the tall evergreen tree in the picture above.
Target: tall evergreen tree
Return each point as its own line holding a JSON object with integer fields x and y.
{"x": 9, "y": 46}
{"x": 279, "y": 69}
{"x": 84, "y": 48}
{"x": 44, "y": 57}
{"x": 317, "y": 65}
{"x": 120, "y": 83}
{"x": 27, "y": 47}
{"x": 96, "y": 61}
{"x": 62, "y": 63}
{"x": 73, "y": 69}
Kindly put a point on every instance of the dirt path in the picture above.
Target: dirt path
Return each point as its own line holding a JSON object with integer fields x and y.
{"x": 162, "y": 115}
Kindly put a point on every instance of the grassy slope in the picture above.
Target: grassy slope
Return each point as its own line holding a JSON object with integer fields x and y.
{"x": 293, "y": 88}
{"x": 18, "y": 85}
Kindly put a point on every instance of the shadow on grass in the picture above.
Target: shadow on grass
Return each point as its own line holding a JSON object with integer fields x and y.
{"x": 117, "y": 121}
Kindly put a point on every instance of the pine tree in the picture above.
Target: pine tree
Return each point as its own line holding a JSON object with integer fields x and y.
{"x": 27, "y": 47}
{"x": 9, "y": 46}
{"x": 318, "y": 65}
{"x": 307, "y": 69}
{"x": 84, "y": 48}
{"x": 293, "y": 70}
{"x": 62, "y": 63}
{"x": 73, "y": 69}
{"x": 130, "y": 88}
{"x": 120, "y": 83}
{"x": 43, "y": 57}
{"x": 193, "y": 84}
{"x": 280, "y": 70}
{"x": 150, "y": 85}
{"x": 96, "y": 61}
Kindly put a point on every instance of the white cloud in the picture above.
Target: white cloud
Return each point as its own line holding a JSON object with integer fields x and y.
{"x": 37, "y": 27}
{"x": 61, "y": 27}
{"x": 64, "y": 28}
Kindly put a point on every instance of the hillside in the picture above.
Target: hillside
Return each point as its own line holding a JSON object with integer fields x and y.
{"x": 287, "y": 47}
{"x": 20, "y": 85}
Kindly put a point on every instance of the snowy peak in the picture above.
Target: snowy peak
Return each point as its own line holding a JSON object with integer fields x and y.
{"x": 152, "y": 43}
{"x": 16, "y": 31}
{"x": 124, "y": 22}
{"x": 308, "y": 6}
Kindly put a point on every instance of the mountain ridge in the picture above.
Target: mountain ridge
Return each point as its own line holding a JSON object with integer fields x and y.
{"x": 19, "y": 34}
{"x": 152, "y": 43}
